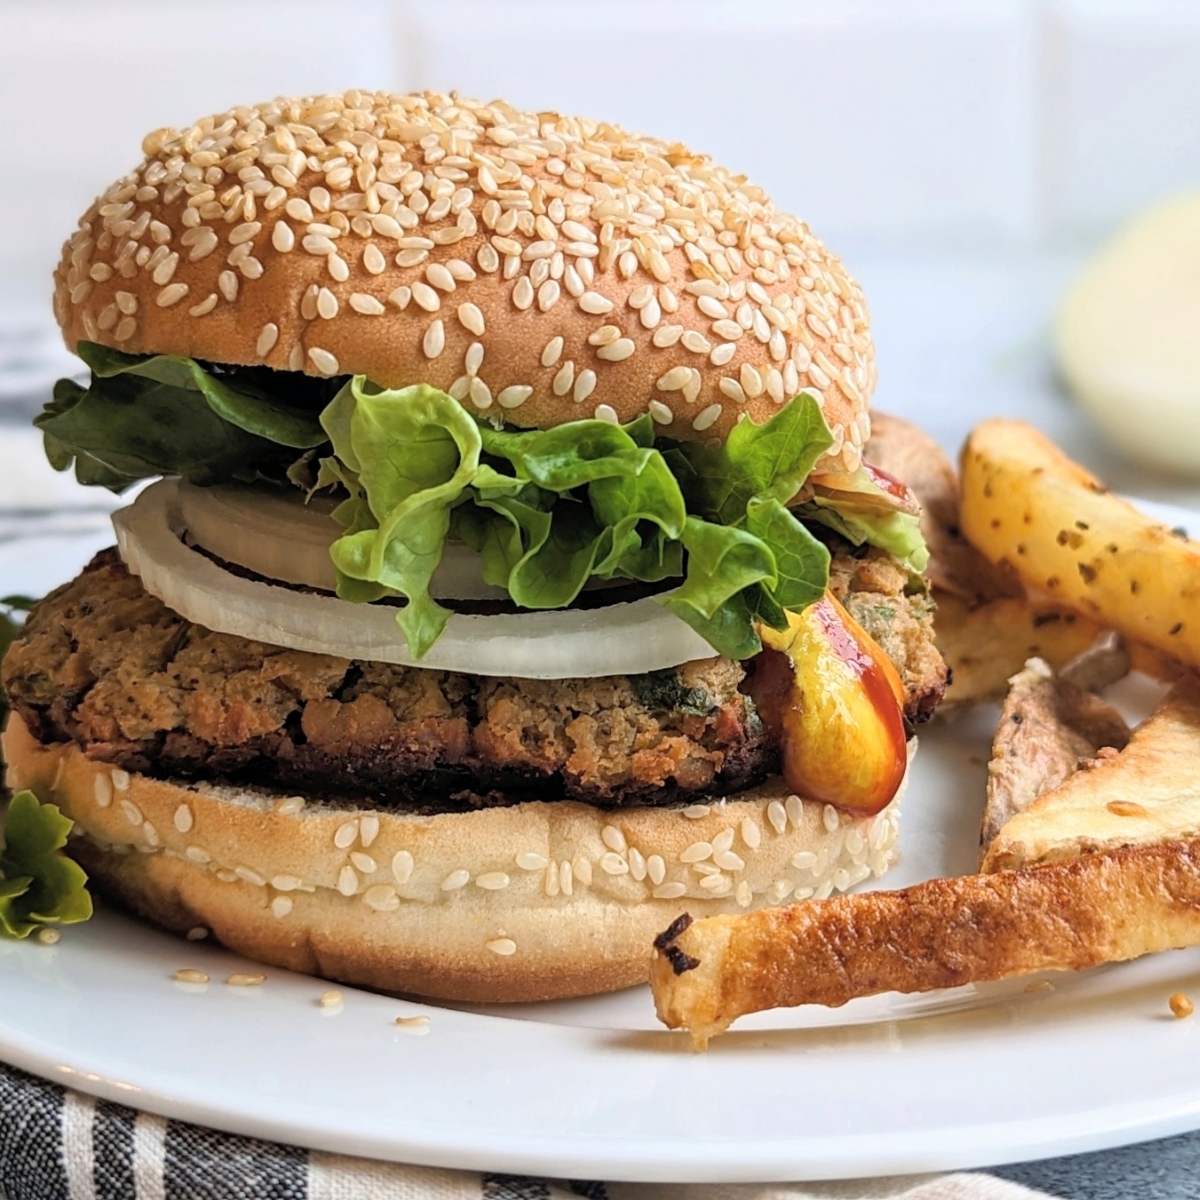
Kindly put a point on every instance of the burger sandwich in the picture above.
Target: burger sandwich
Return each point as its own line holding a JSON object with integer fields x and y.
{"x": 511, "y": 578}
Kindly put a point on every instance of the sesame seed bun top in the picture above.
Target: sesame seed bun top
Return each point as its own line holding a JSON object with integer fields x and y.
{"x": 536, "y": 266}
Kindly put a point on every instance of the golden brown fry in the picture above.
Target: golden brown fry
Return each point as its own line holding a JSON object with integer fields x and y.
{"x": 1148, "y": 793}
{"x": 1028, "y": 507}
{"x": 910, "y": 454}
{"x": 1103, "y": 907}
{"x": 985, "y": 646}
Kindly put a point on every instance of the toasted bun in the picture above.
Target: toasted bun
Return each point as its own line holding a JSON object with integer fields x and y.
{"x": 538, "y": 267}
{"x": 533, "y": 902}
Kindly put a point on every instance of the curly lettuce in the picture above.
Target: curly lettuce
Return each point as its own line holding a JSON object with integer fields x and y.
{"x": 166, "y": 415}
{"x": 547, "y": 510}
{"x": 550, "y": 509}
{"x": 38, "y": 884}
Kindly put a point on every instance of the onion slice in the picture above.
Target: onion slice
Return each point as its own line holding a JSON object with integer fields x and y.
{"x": 277, "y": 535}
{"x": 620, "y": 639}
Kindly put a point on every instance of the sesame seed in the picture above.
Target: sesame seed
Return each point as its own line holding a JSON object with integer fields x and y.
{"x": 696, "y": 852}
{"x": 197, "y": 933}
{"x": 245, "y": 979}
{"x": 614, "y": 839}
{"x": 595, "y": 304}
{"x": 492, "y": 881}
{"x": 131, "y": 812}
{"x": 364, "y": 862}
{"x": 325, "y": 362}
{"x": 368, "y": 829}
{"x": 751, "y": 380}
{"x": 667, "y": 335}
{"x": 331, "y": 998}
{"x": 585, "y": 384}
{"x": 548, "y": 294}
{"x": 605, "y": 412}
{"x": 190, "y": 975}
{"x": 183, "y": 819}
{"x": 777, "y": 815}
{"x": 346, "y": 834}
{"x": 604, "y": 335}
{"x": 250, "y": 876}
{"x": 327, "y": 304}
{"x": 563, "y": 379}
{"x": 674, "y": 379}
{"x": 197, "y": 855}
{"x": 502, "y": 946}
{"x": 612, "y": 863}
{"x": 751, "y": 833}
{"x": 637, "y": 864}
{"x": 381, "y": 897}
{"x": 660, "y": 414}
{"x": 616, "y": 351}
{"x": 287, "y": 883}
{"x": 171, "y": 294}
{"x": 347, "y": 881}
{"x": 710, "y": 306}
{"x": 367, "y": 305}
{"x": 267, "y": 339}
{"x": 471, "y": 318}
{"x": 656, "y": 868}
{"x": 434, "y": 341}
{"x": 402, "y": 867}
{"x": 795, "y": 810}
{"x": 669, "y": 891}
{"x": 744, "y": 895}
{"x": 731, "y": 388}
{"x": 289, "y": 805}
{"x": 281, "y": 906}
{"x": 531, "y": 860}
{"x": 416, "y": 1026}
{"x": 400, "y": 297}
{"x": 514, "y": 396}
{"x": 440, "y": 278}
{"x": 582, "y": 870}
{"x": 456, "y": 879}
{"x": 566, "y": 878}
{"x": 522, "y": 293}
{"x": 102, "y": 789}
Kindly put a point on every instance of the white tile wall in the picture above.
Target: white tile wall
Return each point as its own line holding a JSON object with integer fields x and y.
{"x": 1123, "y": 108}
{"x": 886, "y": 123}
{"x": 81, "y": 82}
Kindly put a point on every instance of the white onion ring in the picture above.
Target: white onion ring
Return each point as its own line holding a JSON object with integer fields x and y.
{"x": 620, "y": 639}
{"x": 278, "y": 536}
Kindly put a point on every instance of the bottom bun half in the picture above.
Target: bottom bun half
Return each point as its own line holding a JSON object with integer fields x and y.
{"x": 536, "y": 901}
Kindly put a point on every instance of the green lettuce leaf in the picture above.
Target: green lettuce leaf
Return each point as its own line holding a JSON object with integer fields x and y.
{"x": 38, "y": 885}
{"x": 764, "y": 462}
{"x": 547, "y": 510}
{"x": 165, "y": 415}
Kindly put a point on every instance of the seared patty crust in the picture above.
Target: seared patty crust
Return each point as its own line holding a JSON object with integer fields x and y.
{"x": 103, "y": 663}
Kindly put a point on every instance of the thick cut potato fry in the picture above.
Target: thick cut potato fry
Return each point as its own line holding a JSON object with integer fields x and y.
{"x": 985, "y": 646}
{"x": 1028, "y": 507}
{"x": 1103, "y": 907}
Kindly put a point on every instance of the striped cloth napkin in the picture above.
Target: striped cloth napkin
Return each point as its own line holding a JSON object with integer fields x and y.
{"x": 58, "y": 1144}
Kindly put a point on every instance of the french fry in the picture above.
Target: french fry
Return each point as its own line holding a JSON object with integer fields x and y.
{"x": 1029, "y": 508}
{"x": 1103, "y": 907}
{"x": 985, "y": 645}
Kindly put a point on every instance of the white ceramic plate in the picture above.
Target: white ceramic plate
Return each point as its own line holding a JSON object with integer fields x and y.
{"x": 595, "y": 1088}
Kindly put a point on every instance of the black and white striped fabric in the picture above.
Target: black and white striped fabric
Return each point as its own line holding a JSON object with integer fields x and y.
{"x": 58, "y": 1144}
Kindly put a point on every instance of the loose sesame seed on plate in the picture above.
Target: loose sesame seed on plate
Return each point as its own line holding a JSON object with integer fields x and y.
{"x": 414, "y": 1026}
{"x": 246, "y": 979}
{"x": 190, "y": 975}
{"x": 331, "y": 998}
